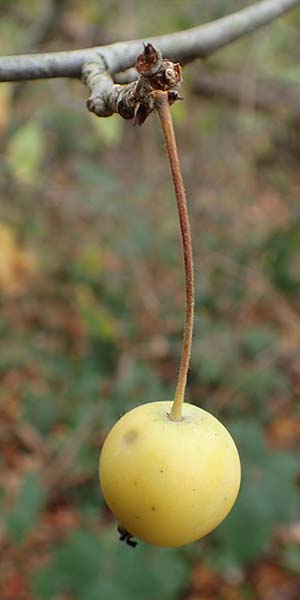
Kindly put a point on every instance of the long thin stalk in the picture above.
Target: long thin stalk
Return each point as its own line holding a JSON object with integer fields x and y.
{"x": 163, "y": 109}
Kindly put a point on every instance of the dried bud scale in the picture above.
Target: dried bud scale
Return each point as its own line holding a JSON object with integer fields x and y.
{"x": 133, "y": 100}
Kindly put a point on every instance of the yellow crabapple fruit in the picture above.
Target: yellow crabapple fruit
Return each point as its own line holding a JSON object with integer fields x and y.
{"x": 169, "y": 482}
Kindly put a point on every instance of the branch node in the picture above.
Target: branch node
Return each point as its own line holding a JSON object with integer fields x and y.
{"x": 136, "y": 99}
{"x": 99, "y": 83}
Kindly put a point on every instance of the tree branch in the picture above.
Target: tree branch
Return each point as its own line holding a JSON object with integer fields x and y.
{"x": 183, "y": 46}
{"x": 270, "y": 95}
{"x": 136, "y": 99}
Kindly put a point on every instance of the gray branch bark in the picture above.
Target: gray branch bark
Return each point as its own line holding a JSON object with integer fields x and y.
{"x": 184, "y": 46}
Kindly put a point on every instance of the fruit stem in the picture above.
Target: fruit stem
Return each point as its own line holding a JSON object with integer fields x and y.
{"x": 163, "y": 109}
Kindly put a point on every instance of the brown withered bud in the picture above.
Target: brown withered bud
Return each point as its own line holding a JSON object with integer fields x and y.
{"x": 168, "y": 76}
{"x": 173, "y": 96}
{"x": 142, "y": 112}
{"x": 136, "y": 99}
{"x": 149, "y": 62}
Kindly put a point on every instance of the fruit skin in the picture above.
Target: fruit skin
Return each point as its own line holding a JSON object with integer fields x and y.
{"x": 169, "y": 482}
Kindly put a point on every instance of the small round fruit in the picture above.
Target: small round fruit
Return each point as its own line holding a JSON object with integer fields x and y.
{"x": 169, "y": 482}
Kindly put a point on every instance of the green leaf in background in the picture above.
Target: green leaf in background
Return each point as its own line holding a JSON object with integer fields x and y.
{"x": 90, "y": 263}
{"x": 102, "y": 568}
{"x": 250, "y": 440}
{"x": 10, "y": 34}
{"x": 90, "y": 173}
{"x": 269, "y": 495}
{"x": 291, "y": 558}
{"x": 257, "y": 340}
{"x": 109, "y": 131}
{"x": 27, "y": 508}
{"x": 259, "y": 385}
{"x": 215, "y": 354}
{"x": 25, "y": 152}
{"x": 75, "y": 567}
{"x": 209, "y": 120}
{"x": 140, "y": 384}
{"x": 282, "y": 256}
{"x": 40, "y": 409}
{"x": 97, "y": 320}
{"x": 281, "y": 470}
{"x": 179, "y": 113}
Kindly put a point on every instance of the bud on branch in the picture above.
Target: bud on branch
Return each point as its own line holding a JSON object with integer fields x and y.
{"x": 133, "y": 100}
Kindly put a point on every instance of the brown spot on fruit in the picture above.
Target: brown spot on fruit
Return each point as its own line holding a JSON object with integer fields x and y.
{"x": 131, "y": 436}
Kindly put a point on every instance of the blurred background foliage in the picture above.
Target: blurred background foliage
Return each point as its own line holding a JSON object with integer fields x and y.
{"x": 92, "y": 297}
